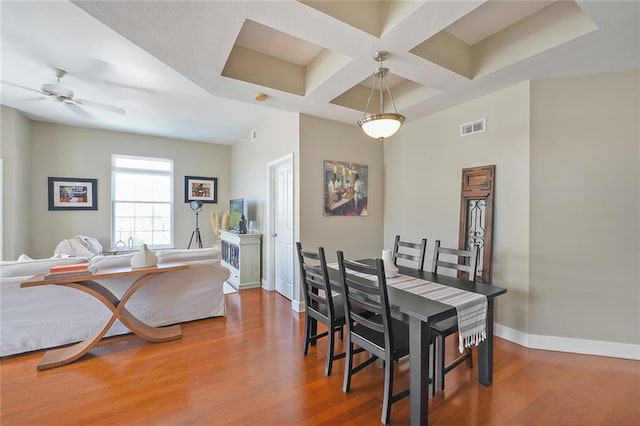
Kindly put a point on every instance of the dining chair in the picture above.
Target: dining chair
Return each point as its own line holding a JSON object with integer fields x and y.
{"x": 449, "y": 326}
{"x": 370, "y": 326}
{"x": 412, "y": 252}
{"x": 320, "y": 303}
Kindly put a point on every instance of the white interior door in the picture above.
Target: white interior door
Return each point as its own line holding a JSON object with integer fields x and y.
{"x": 283, "y": 221}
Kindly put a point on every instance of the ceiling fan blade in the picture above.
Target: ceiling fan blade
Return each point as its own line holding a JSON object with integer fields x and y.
{"x": 105, "y": 107}
{"x": 75, "y": 108}
{"x": 22, "y": 87}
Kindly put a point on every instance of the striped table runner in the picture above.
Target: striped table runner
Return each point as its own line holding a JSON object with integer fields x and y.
{"x": 470, "y": 307}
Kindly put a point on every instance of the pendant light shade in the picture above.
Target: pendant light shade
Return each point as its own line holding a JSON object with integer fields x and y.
{"x": 383, "y": 124}
{"x": 380, "y": 126}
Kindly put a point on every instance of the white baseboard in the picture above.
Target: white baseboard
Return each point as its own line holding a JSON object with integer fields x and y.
{"x": 298, "y": 305}
{"x": 228, "y": 288}
{"x": 266, "y": 285}
{"x": 568, "y": 344}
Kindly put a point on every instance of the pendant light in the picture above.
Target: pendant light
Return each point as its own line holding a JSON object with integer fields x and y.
{"x": 383, "y": 124}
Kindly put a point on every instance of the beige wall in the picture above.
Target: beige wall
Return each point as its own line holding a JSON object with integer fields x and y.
{"x": 276, "y": 136}
{"x": 567, "y": 217}
{"x": 358, "y": 237}
{"x": 311, "y": 140}
{"x": 66, "y": 151}
{"x": 423, "y": 166}
{"x": 15, "y": 150}
{"x": 585, "y": 216}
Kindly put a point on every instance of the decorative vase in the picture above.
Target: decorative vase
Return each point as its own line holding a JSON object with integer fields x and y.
{"x": 144, "y": 258}
{"x": 390, "y": 269}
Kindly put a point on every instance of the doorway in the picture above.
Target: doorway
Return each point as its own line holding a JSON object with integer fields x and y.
{"x": 281, "y": 226}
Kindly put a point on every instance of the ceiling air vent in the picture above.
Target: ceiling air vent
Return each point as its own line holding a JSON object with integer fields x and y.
{"x": 475, "y": 127}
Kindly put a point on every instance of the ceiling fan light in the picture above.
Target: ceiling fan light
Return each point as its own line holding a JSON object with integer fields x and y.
{"x": 380, "y": 126}
{"x": 57, "y": 91}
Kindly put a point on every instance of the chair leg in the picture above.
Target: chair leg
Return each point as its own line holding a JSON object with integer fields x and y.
{"x": 469, "y": 358}
{"x": 307, "y": 335}
{"x": 348, "y": 364}
{"x": 329, "y": 362}
{"x": 388, "y": 391}
{"x": 441, "y": 363}
{"x": 432, "y": 369}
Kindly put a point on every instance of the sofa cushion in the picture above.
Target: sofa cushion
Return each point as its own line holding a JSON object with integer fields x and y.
{"x": 35, "y": 266}
{"x": 187, "y": 255}
{"x": 116, "y": 261}
{"x": 80, "y": 245}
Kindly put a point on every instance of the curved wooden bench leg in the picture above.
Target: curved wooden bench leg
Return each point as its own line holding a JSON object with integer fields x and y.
{"x": 57, "y": 357}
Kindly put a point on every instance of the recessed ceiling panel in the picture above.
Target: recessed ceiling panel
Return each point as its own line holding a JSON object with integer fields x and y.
{"x": 277, "y": 44}
{"x": 267, "y": 57}
{"x": 364, "y": 15}
{"x": 499, "y": 34}
{"x": 406, "y": 93}
{"x": 373, "y": 17}
{"x": 264, "y": 70}
{"x": 491, "y": 17}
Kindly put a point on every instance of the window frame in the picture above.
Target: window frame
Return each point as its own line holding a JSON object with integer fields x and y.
{"x": 115, "y": 170}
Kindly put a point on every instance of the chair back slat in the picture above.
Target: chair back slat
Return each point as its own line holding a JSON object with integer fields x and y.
{"x": 315, "y": 280}
{"x": 467, "y": 260}
{"x": 376, "y": 326}
{"x": 414, "y": 253}
{"x": 366, "y": 300}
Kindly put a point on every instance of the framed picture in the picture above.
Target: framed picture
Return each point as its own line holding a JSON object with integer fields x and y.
{"x": 73, "y": 194}
{"x": 197, "y": 188}
{"x": 345, "y": 188}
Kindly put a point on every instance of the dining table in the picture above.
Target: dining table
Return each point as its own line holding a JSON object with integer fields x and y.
{"x": 420, "y": 312}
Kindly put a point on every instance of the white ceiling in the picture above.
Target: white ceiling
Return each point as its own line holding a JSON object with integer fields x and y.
{"x": 163, "y": 61}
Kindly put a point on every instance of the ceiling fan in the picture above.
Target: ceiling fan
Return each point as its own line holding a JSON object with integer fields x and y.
{"x": 59, "y": 93}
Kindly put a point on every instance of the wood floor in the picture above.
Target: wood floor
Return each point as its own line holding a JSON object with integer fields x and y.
{"x": 248, "y": 369}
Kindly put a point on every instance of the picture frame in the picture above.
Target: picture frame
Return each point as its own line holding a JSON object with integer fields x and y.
{"x": 199, "y": 188}
{"x": 345, "y": 190}
{"x": 73, "y": 193}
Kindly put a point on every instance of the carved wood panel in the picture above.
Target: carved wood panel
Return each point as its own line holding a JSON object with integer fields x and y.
{"x": 476, "y": 216}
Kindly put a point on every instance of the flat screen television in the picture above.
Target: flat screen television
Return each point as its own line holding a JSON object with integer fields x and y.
{"x": 236, "y": 209}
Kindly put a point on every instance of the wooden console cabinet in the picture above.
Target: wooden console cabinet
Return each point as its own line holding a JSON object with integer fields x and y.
{"x": 241, "y": 254}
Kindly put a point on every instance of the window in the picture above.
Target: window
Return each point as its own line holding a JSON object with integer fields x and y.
{"x": 142, "y": 201}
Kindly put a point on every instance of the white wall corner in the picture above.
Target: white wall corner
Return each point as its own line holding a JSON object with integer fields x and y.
{"x": 266, "y": 285}
{"x": 569, "y": 344}
{"x": 297, "y": 305}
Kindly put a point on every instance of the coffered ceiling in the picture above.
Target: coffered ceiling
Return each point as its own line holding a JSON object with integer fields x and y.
{"x": 191, "y": 70}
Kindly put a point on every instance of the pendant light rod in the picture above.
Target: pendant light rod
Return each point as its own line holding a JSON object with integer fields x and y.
{"x": 381, "y": 125}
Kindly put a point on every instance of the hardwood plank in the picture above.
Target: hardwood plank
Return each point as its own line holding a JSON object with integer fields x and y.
{"x": 248, "y": 368}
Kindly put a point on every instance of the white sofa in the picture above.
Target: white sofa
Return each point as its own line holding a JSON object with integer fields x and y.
{"x": 46, "y": 316}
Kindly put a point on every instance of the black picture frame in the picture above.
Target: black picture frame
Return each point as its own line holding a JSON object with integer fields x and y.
{"x": 73, "y": 193}
{"x": 200, "y": 188}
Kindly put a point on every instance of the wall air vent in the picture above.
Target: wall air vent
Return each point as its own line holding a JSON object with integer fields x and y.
{"x": 474, "y": 127}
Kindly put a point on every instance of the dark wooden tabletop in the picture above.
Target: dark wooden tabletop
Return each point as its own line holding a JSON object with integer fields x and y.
{"x": 406, "y": 303}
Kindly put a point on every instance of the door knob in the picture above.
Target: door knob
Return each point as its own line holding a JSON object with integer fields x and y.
{"x": 274, "y": 235}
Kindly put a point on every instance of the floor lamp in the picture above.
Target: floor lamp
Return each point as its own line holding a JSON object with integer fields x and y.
{"x": 196, "y": 206}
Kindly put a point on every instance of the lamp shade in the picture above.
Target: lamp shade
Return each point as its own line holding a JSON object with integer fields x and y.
{"x": 380, "y": 126}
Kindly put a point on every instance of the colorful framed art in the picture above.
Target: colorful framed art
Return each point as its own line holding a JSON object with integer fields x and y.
{"x": 73, "y": 193}
{"x": 198, "y": 188}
